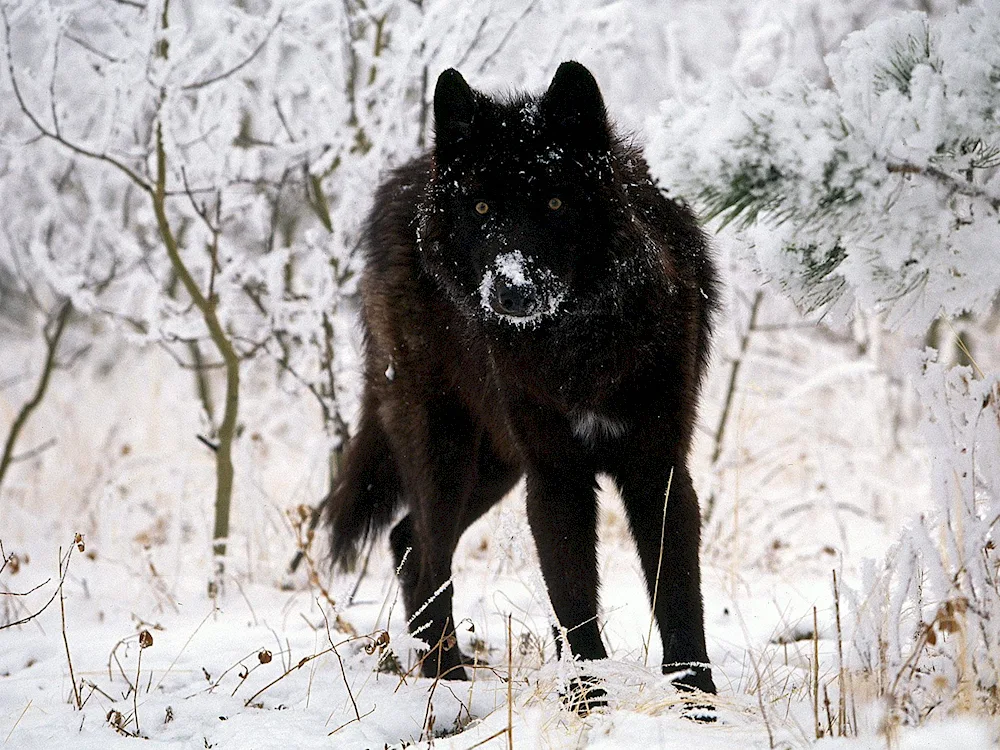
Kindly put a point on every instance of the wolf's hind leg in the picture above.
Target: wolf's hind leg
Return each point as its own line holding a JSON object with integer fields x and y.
{"x": 473, "y": 479}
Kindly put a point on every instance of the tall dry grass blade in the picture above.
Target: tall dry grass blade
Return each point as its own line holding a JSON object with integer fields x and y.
{"x": 510, "y": 687}
{"x": 815, "y": 677}
{"x": 841, "y": 685}
{"x": 659, "y": 566}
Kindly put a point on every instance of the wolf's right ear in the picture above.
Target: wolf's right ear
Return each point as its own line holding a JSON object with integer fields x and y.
{"x": 574, "y": 100}
{"x": 454, "y": 107}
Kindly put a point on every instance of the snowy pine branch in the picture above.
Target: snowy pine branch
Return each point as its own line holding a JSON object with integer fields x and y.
{"x": 884, "y": 189}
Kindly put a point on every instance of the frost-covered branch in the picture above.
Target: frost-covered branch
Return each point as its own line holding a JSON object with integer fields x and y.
{"x": 53, "y": 133}
{"x": 961, "y": 186}
{"x": 884, "y": 190}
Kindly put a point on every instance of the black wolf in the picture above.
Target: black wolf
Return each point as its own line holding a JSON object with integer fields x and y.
{"x": 534, "y": 305}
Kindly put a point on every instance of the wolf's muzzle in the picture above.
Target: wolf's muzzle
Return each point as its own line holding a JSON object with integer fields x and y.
{"x": 514, "y": 300}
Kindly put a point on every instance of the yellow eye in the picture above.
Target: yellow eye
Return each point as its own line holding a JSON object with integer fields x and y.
{"x": 555, "y": 204}
{"x": 482, "y": 207}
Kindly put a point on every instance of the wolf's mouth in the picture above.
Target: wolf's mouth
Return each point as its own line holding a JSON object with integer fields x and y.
{"x": 515, "y": 290}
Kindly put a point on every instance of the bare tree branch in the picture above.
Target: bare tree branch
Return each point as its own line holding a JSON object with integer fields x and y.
{"x": 54, "y": 134}
{"x": 234, "y": 70}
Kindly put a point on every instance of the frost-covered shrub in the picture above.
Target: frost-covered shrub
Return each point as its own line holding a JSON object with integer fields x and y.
{"x": 928, "y": 624}
{"x": 883, "y": 192}
{"x": 884, "y": 189}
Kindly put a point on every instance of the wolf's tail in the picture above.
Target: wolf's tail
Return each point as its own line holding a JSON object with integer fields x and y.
{"x": 368, "y": 493}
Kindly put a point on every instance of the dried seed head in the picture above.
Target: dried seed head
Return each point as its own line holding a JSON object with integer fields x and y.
{"x": 145, "y": 639}
{"x": 379, "y": 642}
{"x": 78, "y": 541}
{"x": 264, "y": 656}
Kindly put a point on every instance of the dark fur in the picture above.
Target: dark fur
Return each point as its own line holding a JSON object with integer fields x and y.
{"x": 459, "y": 401}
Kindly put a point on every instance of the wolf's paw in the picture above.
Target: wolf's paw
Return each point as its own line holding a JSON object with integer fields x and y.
{"x": 701, "y": 713}
{"x": 691, "y": 677}
{"x": 694, "y": 683}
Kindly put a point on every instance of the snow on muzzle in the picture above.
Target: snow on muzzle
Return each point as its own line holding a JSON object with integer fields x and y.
{"x": 516, "y": 290}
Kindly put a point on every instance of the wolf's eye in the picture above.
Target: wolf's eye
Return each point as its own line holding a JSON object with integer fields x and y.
{"x": 555, "y": 204}
{"x": 482, "y": 207}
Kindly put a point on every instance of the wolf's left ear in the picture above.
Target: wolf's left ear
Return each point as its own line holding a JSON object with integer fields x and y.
{"x": 454, "y": 107}
{"x": 574, "y": 101}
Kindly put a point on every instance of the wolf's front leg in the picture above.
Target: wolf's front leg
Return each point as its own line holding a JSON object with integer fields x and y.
{"x": 562, "y": 513}
{"x": 671, "y": 570}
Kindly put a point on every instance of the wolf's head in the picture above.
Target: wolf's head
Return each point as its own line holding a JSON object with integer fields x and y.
{"x": 521, "y": 203}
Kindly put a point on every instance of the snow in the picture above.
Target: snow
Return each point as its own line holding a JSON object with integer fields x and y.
{"x": 522, "y": 271}
{"x": 146, "y": 562}
{"x": 847, "y": 449}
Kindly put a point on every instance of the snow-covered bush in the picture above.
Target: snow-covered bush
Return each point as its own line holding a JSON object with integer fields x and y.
{"x": 884, "y": 189}
{"x": 882, "y": 193}
{"x": 929, "y": 623}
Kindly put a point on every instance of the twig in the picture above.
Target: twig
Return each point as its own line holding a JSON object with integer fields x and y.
{"x": 510, "y": 687}
{"x": 32, "y": 590}
{"x": 305, "y": 660}
{"x": 815, "y": 681}
{"x": 145, "y": 641}
{"x": 659, "y": 565}
{"x": 956, "y": 185}
{"x": 33, "y": 452}
{"x": 62, "y": 576}
{"x": 208, "y": 443}
{"x": 17, "y": 722}
{"x": 491, "y": 737}
{"x": 131, "y": 174}
{"x": 113, "y": 656}
{"x": 760, "y": 699}
{"x": 842, "y": 698}
{"x": 301, "y": 663}
{"x": 95, "y": 688}
{"x": 348, "y": 723}
{"x": 77, "y": 542}
{"x": 829, "y": 716}
{"x": 506, "y": 37}
{"x": 207, "y": 308}
{"x": 184, "y": 647}
{"x": 340, "y": 660}
{"x": 240, "y": 66}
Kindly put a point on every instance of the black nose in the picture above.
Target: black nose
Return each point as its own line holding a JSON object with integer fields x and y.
{"x": 515, "y": 300}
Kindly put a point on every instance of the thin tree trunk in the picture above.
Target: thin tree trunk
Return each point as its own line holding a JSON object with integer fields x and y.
{"x": 231, "y": 360}
{"x": 52, "y": 346}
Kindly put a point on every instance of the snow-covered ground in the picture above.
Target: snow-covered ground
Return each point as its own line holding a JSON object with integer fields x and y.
{"x": 821, "y": 470}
